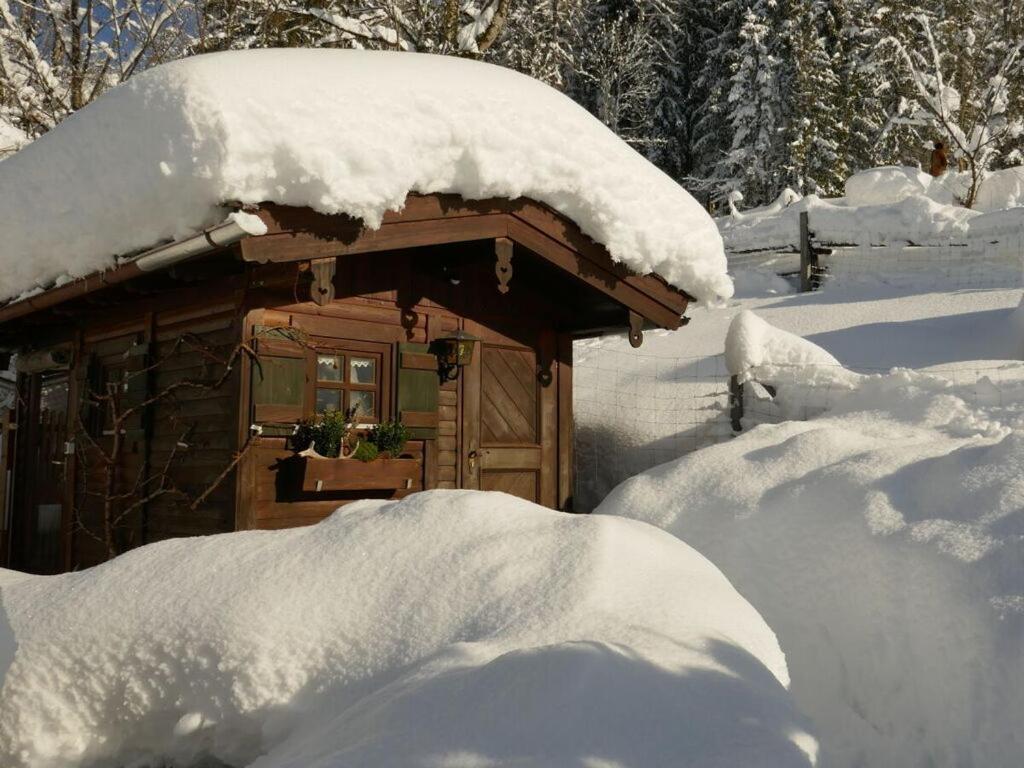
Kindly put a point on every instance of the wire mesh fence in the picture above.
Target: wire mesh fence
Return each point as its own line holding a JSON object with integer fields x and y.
{"x": 944, "y": 266}
{"x": 636, "y": 411}
{"x": 856, "y": 257}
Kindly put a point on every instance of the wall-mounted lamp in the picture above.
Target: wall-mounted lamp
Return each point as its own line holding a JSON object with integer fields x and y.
{"x": 454, "y": 352}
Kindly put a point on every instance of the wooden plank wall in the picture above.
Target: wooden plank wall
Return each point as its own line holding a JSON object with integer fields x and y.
{"x": 271, "y": 493}
{"x": 209, "y": 418}
{"x": 394, "y": 298}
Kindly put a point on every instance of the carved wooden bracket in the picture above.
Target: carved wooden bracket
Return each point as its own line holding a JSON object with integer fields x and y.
{"x": 636, "y": 330}
{"x": 503, "y": 248}
{"x": 321, "y": 290}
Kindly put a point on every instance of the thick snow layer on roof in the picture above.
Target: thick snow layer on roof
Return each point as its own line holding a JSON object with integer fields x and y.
{"x": 452, "y": 628}
{"x": 349, "y": 132}
{"x": 882, "y": 542}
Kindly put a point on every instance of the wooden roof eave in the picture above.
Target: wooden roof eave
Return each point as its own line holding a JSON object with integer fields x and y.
{"x": 300, "y": 234}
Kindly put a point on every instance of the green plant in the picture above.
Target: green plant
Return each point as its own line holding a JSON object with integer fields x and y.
{"x": 390, "y": 437}
{"x": 365, "y": 452}
{"x": 327, "y": 434}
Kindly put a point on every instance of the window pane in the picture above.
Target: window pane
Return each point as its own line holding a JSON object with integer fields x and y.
{"x": 279, "y": 381}
{"x": 328, "y": 400}
{"x": 363, "y": 401}
{"x": 362, "y": 370}
{"x": 328, "y": 368}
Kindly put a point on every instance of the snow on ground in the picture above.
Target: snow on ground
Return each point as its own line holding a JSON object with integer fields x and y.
{"x": 349, "y": 132}
{"x": 452, "y": 628}
{"x": 889, "y": 205}
{"x": 639, "y": 408}
{"x": 884, "y": 543}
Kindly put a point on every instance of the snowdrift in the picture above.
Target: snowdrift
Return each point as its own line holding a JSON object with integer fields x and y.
{"x": 887, "y": 205}
{"x": 448, "y": 629}
{"x": 349, "y": 132}
{"x": 887, "y": 184}
{"x": 883, "y": 541}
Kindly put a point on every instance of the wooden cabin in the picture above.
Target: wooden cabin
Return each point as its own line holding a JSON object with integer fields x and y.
{"x": 219, "y": 347}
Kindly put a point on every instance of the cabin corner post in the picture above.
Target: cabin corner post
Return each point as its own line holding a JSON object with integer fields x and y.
{"x": 245, "y": 476}
{"x": 75, "y": 395}
{"x": 566, "y": 425}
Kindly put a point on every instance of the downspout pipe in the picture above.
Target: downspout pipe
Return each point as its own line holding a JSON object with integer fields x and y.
{"x": 236, "y": 227}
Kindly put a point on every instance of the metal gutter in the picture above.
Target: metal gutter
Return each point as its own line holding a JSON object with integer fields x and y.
{"x": 237, "y": 227}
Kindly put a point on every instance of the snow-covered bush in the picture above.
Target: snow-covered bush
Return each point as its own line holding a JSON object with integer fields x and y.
{"x": 452, "y": 628}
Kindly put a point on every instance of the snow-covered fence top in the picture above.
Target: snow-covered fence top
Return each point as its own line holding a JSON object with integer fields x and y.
{"x": 894, "y": 225}
{"x": 350, "y": 132}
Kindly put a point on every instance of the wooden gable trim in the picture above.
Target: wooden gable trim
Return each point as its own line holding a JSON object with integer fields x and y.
{"x": 299, "y": 234}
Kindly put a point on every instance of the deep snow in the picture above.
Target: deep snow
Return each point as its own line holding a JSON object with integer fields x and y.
{"x": 885, "y": 206}
{"x": 340, "y": 131}
{"x": 884, "y": 543}
{"x": 452, "y": 628}
{"x": 638, "y": 408}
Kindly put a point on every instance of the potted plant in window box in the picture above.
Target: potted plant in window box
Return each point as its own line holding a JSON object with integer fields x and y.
{"x": 334, "y": 456}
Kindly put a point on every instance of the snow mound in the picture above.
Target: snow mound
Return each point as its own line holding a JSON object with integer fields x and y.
{"x": 1001, "y": 189}
{"x": 349, "y": 132}
{"x": 753, "y": 346}
{"x": 889, "y": 205}
{"x": 887, "y": 184}
{"x": 754, "y": 282}
{"x": 883, "y": 542}
{"x": 453, "y": 628}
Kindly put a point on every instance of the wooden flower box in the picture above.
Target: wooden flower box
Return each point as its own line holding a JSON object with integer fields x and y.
{"x": 320, "y": 474}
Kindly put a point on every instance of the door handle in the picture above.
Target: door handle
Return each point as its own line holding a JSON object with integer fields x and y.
{"x": 473, "y": 456}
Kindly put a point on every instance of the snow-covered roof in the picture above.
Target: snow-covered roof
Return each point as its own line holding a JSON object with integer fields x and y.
{"x": 349, "y": 132}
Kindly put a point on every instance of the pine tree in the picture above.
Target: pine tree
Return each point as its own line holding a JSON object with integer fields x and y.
{"x": 713, "y": 62}
{"x": 614, "y": 74}
{"x": 753, "y": 163}
{"x": 813, "y": 129}
{"x": 669, "y": 149}
{"x": 539, "y": 39}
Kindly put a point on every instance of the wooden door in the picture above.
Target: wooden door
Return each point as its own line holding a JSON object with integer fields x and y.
{"x": 510, "y": 425}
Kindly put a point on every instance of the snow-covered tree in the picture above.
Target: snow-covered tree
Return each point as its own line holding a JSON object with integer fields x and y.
{"x": 753, "y": 163}
{"x": 56, "y": 57}
{"x": 614, "y": 74}
{"x": 962, "y": 91}
{"x": 540, "y": 39}
{"x": 713, "y": 61}
{"x": 11, "y": 138}
{"x": 467, "y": 27}
{"x": 811, "y": 114}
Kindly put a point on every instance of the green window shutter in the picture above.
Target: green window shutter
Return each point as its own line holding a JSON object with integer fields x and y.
{"x": 418, "y": 390}
{"x": 279, "y": 379}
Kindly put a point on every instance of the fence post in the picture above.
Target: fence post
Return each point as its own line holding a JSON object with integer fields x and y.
{"x": 808, "y": 256}
{"x": 736, "y": 403}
